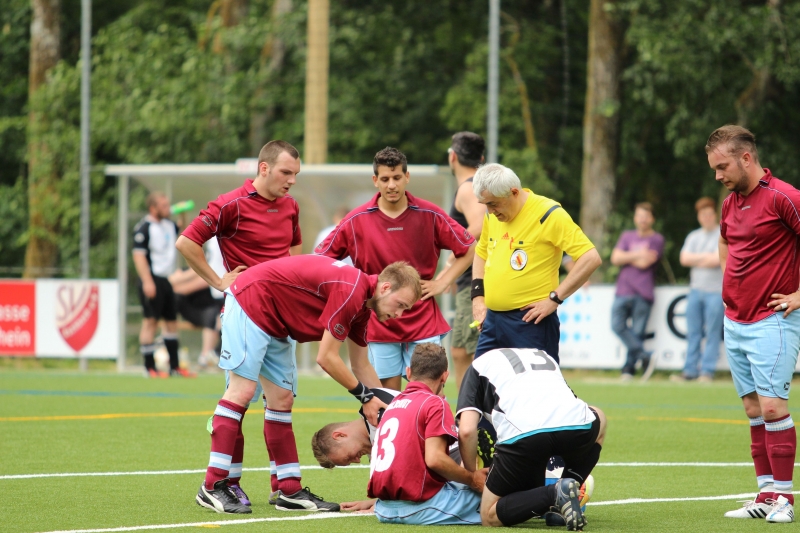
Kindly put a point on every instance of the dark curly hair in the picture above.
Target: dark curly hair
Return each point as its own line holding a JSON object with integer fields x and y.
{"x": 389, "y": 157}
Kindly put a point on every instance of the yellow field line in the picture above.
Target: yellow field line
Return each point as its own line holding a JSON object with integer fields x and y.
{"x": 697, "y": 420}
{"x": 110, "y": 416}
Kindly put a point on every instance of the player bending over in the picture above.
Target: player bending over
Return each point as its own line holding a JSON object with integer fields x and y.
{"x": 536, "y": 416}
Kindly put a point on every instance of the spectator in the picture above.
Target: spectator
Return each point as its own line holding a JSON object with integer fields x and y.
{"x": 464, "y": 156}
{"x": 704, "y": 309}
{"x": 637, "y": 252}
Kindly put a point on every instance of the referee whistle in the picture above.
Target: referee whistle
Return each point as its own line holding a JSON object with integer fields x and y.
{"x": 475, "y": 324}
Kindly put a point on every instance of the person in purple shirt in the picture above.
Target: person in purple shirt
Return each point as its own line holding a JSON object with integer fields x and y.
{"x": 636, "y": 252}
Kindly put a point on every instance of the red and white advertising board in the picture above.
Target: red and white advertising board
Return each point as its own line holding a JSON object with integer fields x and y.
{"x": 59, "y": 318}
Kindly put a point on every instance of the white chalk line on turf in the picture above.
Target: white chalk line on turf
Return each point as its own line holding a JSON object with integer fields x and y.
{"x": 316, "y": 467}
{"x": 218, "y": 523}
{"x": 347, "y": 515}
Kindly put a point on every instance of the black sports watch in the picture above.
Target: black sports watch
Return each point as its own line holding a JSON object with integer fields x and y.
{"x": 555, "y": 298}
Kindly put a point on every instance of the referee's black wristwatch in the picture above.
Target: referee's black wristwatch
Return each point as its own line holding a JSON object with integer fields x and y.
{"x": 555, "y": 298}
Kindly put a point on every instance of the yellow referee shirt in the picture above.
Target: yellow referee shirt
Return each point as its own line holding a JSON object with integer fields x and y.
{"x": 523, "y": 256}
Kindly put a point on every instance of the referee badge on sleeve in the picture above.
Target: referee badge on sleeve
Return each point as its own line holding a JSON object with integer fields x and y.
{"x": 519, "y": 259}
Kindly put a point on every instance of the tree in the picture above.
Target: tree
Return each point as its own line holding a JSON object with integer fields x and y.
{"x": 41, "y": 254}
{"x": 601, "y": 119}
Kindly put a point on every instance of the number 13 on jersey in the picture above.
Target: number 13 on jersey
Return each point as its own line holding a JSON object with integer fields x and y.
{"x": 383, "y": 450}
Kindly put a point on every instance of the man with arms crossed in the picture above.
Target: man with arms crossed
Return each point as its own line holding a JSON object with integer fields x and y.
{"x": 257, "y": 222}
{"x": 308, "y": 298}
{"x": 523, "y": 239}
{"x": 464, "y": 156}
{"x": 396, "y": 226}
{"x": 760, "y": 258}
{"x": 502, "y": 385}
{"x": 412, "y": 476}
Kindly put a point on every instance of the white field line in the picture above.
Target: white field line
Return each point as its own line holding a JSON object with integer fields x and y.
{"x": 316, "y": 467}
{"x": 320, "y": 516}
{"x": 323, "y": 516}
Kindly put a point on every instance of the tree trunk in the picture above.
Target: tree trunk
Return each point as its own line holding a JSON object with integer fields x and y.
{"x": 274, "y": 50}
{"x": 315, "y": 144}
{"x": 601, "y": 120}
{"x": 42, "y": 252}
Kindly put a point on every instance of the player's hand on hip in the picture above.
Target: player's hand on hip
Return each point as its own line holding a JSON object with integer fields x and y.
{"x": 538, "y": 311}
{"x": 362, "y": 506}
{"x": 431, "y": 288}
{"x": 149, "y": 289}
{"x": 229, "y": 277}
{"x": 785, "y": 302}
{"x": 479, "y": 311}
{"x": 371, "y": 409}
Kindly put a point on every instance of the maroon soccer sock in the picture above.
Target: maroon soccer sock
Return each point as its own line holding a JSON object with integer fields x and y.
{"x": 758, "y": 450}
{"x": 781, "y": 444}
{"x": 282, "y": 448}
{"x": 235, "y": 473}
{"x": 226, "y": 425}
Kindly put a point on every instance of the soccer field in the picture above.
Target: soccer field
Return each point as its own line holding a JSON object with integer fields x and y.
{"x": 108, "y": 452}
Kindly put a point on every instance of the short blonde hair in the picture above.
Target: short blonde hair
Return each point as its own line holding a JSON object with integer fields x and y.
{"x": 736, "y": 138}
{"x": 400, "y": 275}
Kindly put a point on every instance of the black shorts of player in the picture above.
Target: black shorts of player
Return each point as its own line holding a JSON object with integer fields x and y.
{"x": 521, "y": 466}
{"x": 199, "y": 308}
{"x": 163, "y": 305}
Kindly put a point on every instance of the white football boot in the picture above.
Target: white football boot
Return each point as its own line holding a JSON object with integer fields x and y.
{"x": 782, "y": 511}
{"x": 751, "y": 509}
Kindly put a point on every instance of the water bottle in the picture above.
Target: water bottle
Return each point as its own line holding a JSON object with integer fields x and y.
{"x": 182, "y": 207}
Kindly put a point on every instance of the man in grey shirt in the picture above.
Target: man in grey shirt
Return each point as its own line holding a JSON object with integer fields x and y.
{"x": 704, "y": 310}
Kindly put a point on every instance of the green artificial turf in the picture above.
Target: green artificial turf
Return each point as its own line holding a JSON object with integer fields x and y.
{"x": 66, "y": 422}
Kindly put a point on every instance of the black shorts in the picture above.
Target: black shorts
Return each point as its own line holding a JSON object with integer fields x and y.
{"x": 163, "y": 305}
{"x": 521, "y": 466}
{"x": 199, "y": 308}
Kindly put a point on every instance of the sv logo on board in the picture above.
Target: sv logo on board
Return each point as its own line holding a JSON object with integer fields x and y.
{"x": 77, "y": 312}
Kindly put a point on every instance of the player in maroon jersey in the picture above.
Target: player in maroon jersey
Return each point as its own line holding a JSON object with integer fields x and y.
{"x": 256, "y": 222}
{"x": 306, "y": 298}
{"x": 412, "y": 475}
{"x": 396, "y": 226}
{"x": 759, "y": 252}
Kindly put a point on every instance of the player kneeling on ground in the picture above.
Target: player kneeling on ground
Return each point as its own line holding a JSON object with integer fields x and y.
{"x": 412, "y": 476}
{"x": 536, "y": 416}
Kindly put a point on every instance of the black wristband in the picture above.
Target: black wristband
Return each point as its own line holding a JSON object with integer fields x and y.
{"x": 362, "y": 393}
{"x": 477, "y": 288}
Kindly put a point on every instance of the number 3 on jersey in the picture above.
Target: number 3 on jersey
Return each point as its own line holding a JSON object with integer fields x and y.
{"x": 383, "y": 451}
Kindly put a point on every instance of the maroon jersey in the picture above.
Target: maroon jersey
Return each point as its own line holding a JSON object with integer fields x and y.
{"x": 304, "y": 295}
{"x": 374, "y": 240}
{"x": 250, "y": 229}
{"x": 762, "y": 231}
{"x": 397, "y": 467}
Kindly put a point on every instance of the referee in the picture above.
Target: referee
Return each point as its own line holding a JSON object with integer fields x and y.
{"x": 154, "y": 257}
{"x": 515, "y": 289}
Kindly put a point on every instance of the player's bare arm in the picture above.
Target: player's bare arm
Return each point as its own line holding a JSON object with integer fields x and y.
{"x": 143, "y": 271}
{"x": 468, "y": 439}
{"x": 473, "y": 210}
{"x": 328, "y": 359}
{"x": 579, "y": 274}
{"x": 723, "y": 253}
{"x": 193, "y": 253}
{"x": 479, "y": 302}
{"x": 362, "y": 506}
{"x": 296, "y": 249}
{"x": 359, "y": 364}
{"x": 438, "y": 460}
{"x": 448, "y": 276}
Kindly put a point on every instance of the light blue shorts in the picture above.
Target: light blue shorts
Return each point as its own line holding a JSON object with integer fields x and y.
{"x": 454, "y": 504}
{"x": 762, "y": 355}
{"x": 248, "y": 351}
{"x": 390, "y": 359}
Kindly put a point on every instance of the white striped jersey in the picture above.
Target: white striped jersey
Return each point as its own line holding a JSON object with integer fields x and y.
{"x": 523, "y": 393}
